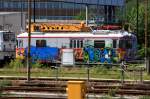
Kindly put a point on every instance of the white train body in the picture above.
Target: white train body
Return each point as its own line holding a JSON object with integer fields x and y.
{"x": 7, "y": 45}
{"x": 61, "y": 40}
{"x": 122, "y": 41}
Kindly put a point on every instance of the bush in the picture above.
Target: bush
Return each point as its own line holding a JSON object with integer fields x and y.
{"x": 141, "y": 52}
{"x": 37, "y": 65}
{"x": 4, "y": 83}
{"x": 112, "y": 92}
{"x": 16, "y": 64}
{"x": 144, "y": 97}
{"x": 105, "y": 97}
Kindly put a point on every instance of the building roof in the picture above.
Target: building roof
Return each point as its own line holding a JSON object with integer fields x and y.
{"x": 96, "y": 2}
{"x": 89, "y": 2}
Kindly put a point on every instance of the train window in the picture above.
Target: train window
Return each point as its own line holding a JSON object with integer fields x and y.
{"x": 20, "y": 43}
{"x": 125, "y": 44}
{"x": 128, "y": 44}
{"x": 114, "y": 43}
{"x": 71, "y": 44}
{"x": 40, "y": 43}
{"x": 81, "y": 43}
{"x": 5, "y": 37}
{"x": 37, "y": 28}
{"x": 76, "y": 43}
{"x": 99, "y": 44}
{"x": 17, "y": 43}
{"x": 8, "y": 36}
{"x": 122, "y": 44}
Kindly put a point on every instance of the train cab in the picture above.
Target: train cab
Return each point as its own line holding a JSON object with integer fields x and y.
{"x": 7, "y": 45}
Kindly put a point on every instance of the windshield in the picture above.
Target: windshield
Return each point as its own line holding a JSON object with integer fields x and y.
{"x": 9, "y": 36}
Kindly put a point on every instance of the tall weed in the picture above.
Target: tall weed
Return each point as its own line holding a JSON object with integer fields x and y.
{"x": 15, "y": 64}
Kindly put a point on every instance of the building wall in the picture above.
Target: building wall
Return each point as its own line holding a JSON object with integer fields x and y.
{"x": 46, "y": 9}
{"x": 12, "y": 21}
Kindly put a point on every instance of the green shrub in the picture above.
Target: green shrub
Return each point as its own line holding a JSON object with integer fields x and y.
{"x": 112, "y": 92}
{"x": 99, "y": 69}
{"x": 15, "y": 64}
{"x": 105, "y": 97}
{"x": 4, "y": 83}
{"x": 144, "y": 97}
{"x": 37, "y": 65}
{"x": 141, "y": 52}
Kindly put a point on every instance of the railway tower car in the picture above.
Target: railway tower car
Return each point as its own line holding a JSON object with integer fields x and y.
{"x": 103, "y": 46}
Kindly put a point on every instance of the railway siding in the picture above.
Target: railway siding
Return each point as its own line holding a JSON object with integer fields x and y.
{"x": 93, "y": 86}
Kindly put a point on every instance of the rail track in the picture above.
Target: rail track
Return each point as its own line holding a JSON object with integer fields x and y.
{"x": 98, "y": 89}
{"x": 94, "y": 86}
{"x": 29, "y": 97}
{"x": 61, "y": 79}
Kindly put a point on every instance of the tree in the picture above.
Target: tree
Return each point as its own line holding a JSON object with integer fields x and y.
{"x": 80, "y": 16}
{"x": 131, "y": 21}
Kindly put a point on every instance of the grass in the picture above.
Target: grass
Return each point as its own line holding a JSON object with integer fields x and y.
{"x": 95, "y": 72}
{"x": 16, "y": 68}
{"x": 4, "y": 83}
{"x": 144, "y": 97}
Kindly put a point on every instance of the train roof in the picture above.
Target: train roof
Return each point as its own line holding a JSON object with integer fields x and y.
{"x": 94, "y": 34}
{"x": 5, "y": 31}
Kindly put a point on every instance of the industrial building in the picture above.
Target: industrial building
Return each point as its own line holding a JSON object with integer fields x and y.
{"x": 100, "y": 10}
{"x": 13, "y": 21}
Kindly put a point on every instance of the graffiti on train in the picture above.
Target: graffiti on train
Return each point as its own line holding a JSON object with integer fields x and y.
{"x": 102, "y": 55}
{"x": 86, "y": 54}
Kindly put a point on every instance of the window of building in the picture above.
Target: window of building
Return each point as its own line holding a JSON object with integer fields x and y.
{"x": 40, "y": 43}
{"x": 5, "y": 4}
{"x": 42, "y": 5}
{"x": 99, "y": 44}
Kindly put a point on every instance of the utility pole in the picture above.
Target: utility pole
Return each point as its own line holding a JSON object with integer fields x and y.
{"x": 137, "y": 22}
{"x": 29, "y": 41}
{"x": 146, "y": 22}
{"x": 34, "y": 10}
{"x": 21, "y": 15}
{"x": 86, "y": 12}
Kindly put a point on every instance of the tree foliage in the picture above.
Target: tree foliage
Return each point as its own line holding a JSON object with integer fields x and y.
{"x": 131, "y": 21}
{"x": 80, "y": 16}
